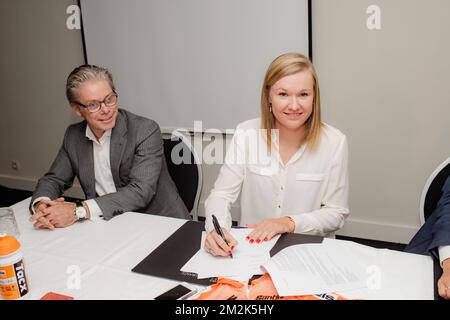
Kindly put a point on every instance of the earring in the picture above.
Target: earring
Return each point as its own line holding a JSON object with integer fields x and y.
{"x": 270, "y": 107}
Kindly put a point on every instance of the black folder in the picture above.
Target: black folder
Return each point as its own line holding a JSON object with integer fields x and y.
{"x": 167, "y": 259}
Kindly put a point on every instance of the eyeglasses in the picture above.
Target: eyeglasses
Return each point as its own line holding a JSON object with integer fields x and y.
{"x": 93, "y": 106}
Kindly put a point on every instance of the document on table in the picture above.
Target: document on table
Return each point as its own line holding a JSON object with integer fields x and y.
{"x": 393, "y": 275}
{"x": 247, "y": 258}
{"x": 351, "y": 269}
{"x": 316, "y": 268}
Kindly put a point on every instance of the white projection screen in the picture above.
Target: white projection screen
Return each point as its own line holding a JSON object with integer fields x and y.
{"x": 180, "y": 61}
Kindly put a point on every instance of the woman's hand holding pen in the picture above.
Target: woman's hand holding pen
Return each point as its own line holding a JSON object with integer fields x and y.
{"x": 215, "y": 245}
{"x": 267, "y": 229}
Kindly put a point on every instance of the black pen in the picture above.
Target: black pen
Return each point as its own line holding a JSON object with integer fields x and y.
{"x": 219, "y": 231}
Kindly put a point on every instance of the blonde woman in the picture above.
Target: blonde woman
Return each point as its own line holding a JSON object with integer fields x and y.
{"x": 289, "y": 167}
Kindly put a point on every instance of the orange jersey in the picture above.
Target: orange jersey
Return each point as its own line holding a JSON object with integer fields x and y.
{"x": 225, "y": 289}
{"x": 259, "y": 289}
{"x": 264, "y": 289}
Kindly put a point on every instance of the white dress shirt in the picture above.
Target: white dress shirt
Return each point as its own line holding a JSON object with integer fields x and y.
{"x": 444, "y": 253}
{"x": 312, "y": 188}
{"x": 104, "y": 182}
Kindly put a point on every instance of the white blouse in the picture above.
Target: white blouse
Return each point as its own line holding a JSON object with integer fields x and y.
{"x": 312, "y": 188}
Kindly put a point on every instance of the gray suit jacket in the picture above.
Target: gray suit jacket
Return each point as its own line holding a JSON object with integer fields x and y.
{"x": 138, "y": 168}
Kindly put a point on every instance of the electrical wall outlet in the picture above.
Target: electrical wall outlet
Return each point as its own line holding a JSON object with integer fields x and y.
{"x": 15, "y": 165}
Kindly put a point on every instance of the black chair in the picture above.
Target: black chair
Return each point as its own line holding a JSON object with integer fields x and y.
{"x": 432, "y": 191}
{"x": 185, "y": 169}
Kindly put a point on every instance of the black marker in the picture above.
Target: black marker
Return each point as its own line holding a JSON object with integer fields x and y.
{"x": 219, "y": 231}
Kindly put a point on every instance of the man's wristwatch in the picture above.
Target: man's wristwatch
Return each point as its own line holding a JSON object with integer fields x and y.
{"x": 80, "y": 211}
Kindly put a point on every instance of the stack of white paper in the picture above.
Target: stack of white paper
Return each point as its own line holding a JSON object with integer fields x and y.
{"x": 315, "y": 268}
{"x": 353, "y": 270}
{"x": 247, "y": 259}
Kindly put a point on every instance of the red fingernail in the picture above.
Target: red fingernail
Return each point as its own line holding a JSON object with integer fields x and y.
{"x": 258, "y": 241}
{"x": 232, "y": 247}
{"x": 266, "y": 239}
{"x": 251, "y": 240}
{"x": 247, "y": 237}
{"x": 229, "y": 251}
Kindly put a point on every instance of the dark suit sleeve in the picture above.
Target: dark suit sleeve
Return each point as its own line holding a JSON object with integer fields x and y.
{"x": 143, "y": 177}
{"x": 441, "y": 228}
{"x": 59, "y": 177}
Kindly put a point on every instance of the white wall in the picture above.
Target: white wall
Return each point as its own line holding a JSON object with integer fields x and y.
{"x": 38, "y": 52}
{"x": 386, "y": 89}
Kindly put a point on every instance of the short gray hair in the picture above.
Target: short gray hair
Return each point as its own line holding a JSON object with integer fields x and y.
{"x": 83, "y": 73}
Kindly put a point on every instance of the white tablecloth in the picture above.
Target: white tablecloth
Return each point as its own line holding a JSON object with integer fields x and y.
{"x": 104, "y": 252}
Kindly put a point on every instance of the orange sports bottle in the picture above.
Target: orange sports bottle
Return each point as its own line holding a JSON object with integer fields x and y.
{"x": 13, "y": 281}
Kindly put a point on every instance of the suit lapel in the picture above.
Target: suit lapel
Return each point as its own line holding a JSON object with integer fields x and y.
{"x": 117, "y": 146}
{"x": 86, "y": 165}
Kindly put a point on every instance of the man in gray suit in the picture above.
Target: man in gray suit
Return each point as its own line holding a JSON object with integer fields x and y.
{"x": 117, "y": 156}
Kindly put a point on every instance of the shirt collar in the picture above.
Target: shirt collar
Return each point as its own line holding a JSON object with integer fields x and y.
{"x": 276, "y": 149}
{"x": 91, "y": 136}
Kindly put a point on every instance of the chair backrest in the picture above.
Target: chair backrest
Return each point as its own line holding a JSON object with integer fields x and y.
{"x": 186, "y": 172}
{"x": 432, "y": 191}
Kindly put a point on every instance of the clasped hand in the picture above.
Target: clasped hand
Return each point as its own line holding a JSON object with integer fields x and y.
{"x": 51, "y": 214}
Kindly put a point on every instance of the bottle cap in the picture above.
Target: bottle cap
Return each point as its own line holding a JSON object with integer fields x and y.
{"x": 8, "y": 245}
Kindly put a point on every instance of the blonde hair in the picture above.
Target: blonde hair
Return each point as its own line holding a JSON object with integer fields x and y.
{"x": 285, "y": 65}
{"x": 83, "y": 73}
